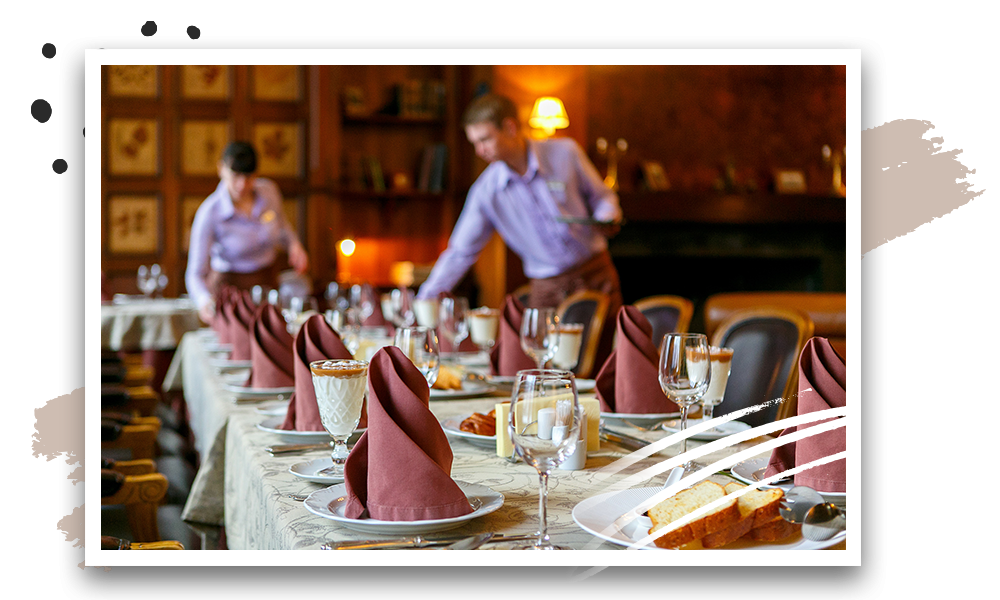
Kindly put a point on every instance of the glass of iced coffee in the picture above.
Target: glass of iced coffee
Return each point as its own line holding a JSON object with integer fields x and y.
{"x": 340, "y": 387}
{"x": 568, "y": 353}
{"x": 484, "y": 326}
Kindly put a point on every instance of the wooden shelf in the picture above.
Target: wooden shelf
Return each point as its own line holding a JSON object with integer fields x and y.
{"x": 737, "y": 209}
{"x": 389, "y": 195}
{"x": 389, "y": 120}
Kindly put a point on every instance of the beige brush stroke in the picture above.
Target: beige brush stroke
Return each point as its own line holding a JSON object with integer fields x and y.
{"x": 908, "y": 180}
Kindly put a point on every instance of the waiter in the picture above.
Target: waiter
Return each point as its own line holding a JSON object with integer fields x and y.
{"x": 236, "y": 232}
{"x": 526, "y": 188}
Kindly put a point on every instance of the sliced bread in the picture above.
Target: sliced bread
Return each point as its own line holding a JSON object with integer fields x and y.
{"x": 774, "y": 530}
{"x": 685, "y": 502}
{"x": 755, "y": 507}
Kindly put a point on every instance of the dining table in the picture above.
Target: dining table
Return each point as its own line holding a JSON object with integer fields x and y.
{"x": 258, "y": 497}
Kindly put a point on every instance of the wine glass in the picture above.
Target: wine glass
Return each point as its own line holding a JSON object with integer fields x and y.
{"x": 347, "y": 324}
{"x": 453, "y": 320}
{"x": 142, "y": 276}
{"x": 484, "y": 325}
{"x": 363, "y": 299}
{"x": 722, "y": 362}
{"x": 568, "y": 351}
{"x": 540, "y": 334}
{"x": 544, "y": 426}
{"x": 401, "y": 301}
{"x": 684, "y": 373}
{"x": 420, "y": 345}
{"x": 340, "y": 387}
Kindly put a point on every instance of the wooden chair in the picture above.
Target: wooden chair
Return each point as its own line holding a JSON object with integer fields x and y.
{"x": 113, "y": 543}
{"x": 667, "y": 314}
{"x": 522, "y": 293}
{"x": 766, "y": 344}
{"x": 139, "y": 488}
{"x": 121, "y": 431}
{"x": 590, "y": 308}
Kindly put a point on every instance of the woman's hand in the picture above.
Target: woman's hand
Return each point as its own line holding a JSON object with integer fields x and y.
{"x": 298, "y": 258}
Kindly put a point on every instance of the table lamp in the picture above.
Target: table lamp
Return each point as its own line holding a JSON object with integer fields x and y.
{"x": 548, "y": 115}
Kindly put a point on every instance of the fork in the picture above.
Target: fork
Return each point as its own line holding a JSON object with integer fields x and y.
{"x": 656, "y": 427}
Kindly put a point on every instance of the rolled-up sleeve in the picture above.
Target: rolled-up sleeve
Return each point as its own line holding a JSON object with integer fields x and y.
{"x": 472, "y": 231}
{"x": 602, "y": 200}
{"x": 196, "y": 275}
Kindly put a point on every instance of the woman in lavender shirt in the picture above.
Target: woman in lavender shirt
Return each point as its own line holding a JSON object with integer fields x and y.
{"x": 236, "y": 232}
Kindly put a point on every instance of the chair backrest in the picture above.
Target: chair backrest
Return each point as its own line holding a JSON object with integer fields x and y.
{"x": 828, "y": 311}
{"x": 590, "y": 308}
{"x": 766, "y": 344}
{"x": 522, "y": 293}
{"x": 667, "y": 314}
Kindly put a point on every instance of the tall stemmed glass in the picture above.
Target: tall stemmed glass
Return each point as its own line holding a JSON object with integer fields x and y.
{"x": 340, "y": 387}
{"x": 419, "y": 344}
{"x": 540, "y": 334}
{"x": 684, "y": 373}
{"x": 347, "y": 324}
{"x": 401, "y": 300}
{"x": 454, "y": 320}
{"x": 363, "y": 299}
{"x": 544, "y": 426}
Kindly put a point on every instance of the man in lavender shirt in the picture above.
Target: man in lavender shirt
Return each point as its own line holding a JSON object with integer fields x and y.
{"x": 527, "y": 187}
{"x": 236, "y": 231}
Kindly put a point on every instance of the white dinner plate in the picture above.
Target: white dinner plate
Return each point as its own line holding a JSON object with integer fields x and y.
{"x": 228, "y": 365}
{"x": 470, "y": 359}
{"x": 309, "y": 471}
{"x": 251, "y": 392}
{"x": 596, "y": 515}
{"x": 329, "y": 503}
{"x": 272, "y": 424}
{"x": 643, "y": 419}
{"x": 745, "y": 470}
{"x": 215, "y": 347}
{"x": 469, "y": 389}
{"x": 272, "y": 408}
{"x": 716, "y": 433}
{"x": 453, "y": 427}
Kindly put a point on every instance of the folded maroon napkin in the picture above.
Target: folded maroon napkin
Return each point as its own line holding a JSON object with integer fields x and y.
{"x": 223, "y": 313}
{"x": 271, "y": 364}
{"x": 316, "y": 340}
{"x": 629, "y": 381}
{"x": 822, "y": 385}
{"x": 241, "y": 316}
{"x": 507, "y": 357}
{"x": 400, "y": 469}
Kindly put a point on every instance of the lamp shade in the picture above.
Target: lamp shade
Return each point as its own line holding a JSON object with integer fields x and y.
{"x": 548, "y": 114}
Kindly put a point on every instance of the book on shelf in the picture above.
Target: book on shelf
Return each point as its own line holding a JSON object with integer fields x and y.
{"x": 438, "y": 168}
{"x": 374, "y": 178}
{"x": 424, "y": 174}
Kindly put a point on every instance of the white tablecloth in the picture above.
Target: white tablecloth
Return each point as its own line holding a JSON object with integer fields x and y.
{"x": 147, "y": 324}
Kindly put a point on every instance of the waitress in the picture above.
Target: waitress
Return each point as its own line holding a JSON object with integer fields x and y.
{"x": 236, "y": 231}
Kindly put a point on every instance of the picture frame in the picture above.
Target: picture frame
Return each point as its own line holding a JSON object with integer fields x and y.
{"x": 189, "y": 206}
{"x": 280, "y": 83}
{"x": 136, "y": 81}
{"x": 133, "y": 224}
{"x": 202, "y": 143}
{"x": 293, "y": 211}
{"x": 279, "y": 149}
{"x": 654, "y": 176}
{"x": 789, "y": 181}
{"x": 205, "y": 82}
{"x": 133, "y": 147}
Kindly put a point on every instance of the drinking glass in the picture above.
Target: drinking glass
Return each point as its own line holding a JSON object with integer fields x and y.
{"x": 335, "y": 297}
{"x": 420, "y": 345}
{"x": 722, "y": 362}
{"x": 484, "y": 325}
{"x": 544, "y": 426}
{"x": 401, "y": 301}
{"x": 567, "y": 354}
{"x": 454, "y": 322}
{"x": 426, "y": 310}
{"x": 684, "y": 373}
{"x": 142, "y": 277}
{"x": 363, "y": 299}
{"x": 540, "y": 334}
{"x": 340, "y": 387}
{"x": 347, "y": 324}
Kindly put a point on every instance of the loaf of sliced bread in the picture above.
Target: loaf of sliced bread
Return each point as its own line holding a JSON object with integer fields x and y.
{"x": 685, "y": 502}
{"x": 756, "y": 507}
{"x": 774, "y": 530}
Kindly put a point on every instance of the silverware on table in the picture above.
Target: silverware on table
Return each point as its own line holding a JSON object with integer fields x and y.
{"x": 417, "y": 541}
{"x": 625, "y": 441}
{"x": 289, "y": 448}
{"x": 471, "y": 542}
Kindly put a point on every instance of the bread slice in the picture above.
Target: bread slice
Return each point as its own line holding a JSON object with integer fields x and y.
{"x": 774, "y": 530}
{"x": 755, "y": 507}
{"x": 686, "y": 502}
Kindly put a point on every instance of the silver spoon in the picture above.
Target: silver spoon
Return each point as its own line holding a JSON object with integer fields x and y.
{"x": 823, "y": 521}
{"x": 797, "y": 502}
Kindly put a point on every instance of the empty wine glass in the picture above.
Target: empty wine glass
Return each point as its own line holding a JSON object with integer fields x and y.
{"x": 684, "y": 373}
{"x": 340, "y": 387}
{"x": 364, "y": 300}
{"x": 454, "y": 321}
{"x": 401, "y": 302}
{"x": 335, "y": 296}
{"x": 540, "y": 334}
{"x": 141, "y": 278}
{"x": 347, "y": 324}
{"x": 544, "y": 426}
{"x": 420, "y": 345}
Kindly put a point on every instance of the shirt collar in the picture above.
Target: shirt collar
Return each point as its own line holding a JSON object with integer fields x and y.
{"x": 534, "y": 167}
{"x": 226, "y": 207}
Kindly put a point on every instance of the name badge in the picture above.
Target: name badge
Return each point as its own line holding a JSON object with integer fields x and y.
{"x": 557, "y": 186}
{"x": 267, "y": 217}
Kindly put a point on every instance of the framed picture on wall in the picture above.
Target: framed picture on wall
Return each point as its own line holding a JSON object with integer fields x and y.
{"x": 133, "y": 147}
{"x": 133, "y": 225}
{"x": 279, "y": 149}
{"x": 789, "y": 181}
{"x": 189, "y": 206}
{"x": 276, "y": 82}
{"x": 293, "y": 209}
{"x": 205, "y": 82}
{"x": 202, "y": 143}
{"x": 138, "y": 81}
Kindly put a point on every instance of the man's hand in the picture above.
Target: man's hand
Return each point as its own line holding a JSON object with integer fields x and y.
{"x": 298, "y": 258}
{"x": 610, "y": 230}
{"x": 207, "y": 312}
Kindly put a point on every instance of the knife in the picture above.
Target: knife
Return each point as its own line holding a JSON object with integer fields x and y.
{"x": 626, "y": 441}
{"x": 287, "y": 448}
{"x": 471, "y": 542}
{"x": 418, "y": 542}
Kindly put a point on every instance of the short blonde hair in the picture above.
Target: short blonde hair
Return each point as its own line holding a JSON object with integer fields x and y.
{"x": 490, "y": 108}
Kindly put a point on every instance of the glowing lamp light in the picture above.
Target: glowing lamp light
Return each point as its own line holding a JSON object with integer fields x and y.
{"x": 346, "y": 247}
{"x": 548, "y": 115}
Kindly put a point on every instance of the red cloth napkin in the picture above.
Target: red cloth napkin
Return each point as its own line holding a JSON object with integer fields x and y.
{"x": 822, "y": 385}
{"x": 271, "y": 364}
{"x": 316, "y": 340}
{"x": 400, "y": 469}
{"x": 241, "y": 316}
{"x": 629, "y": 381}
{"x": 507, "y": 357}
{"x": 223, "y": 313}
